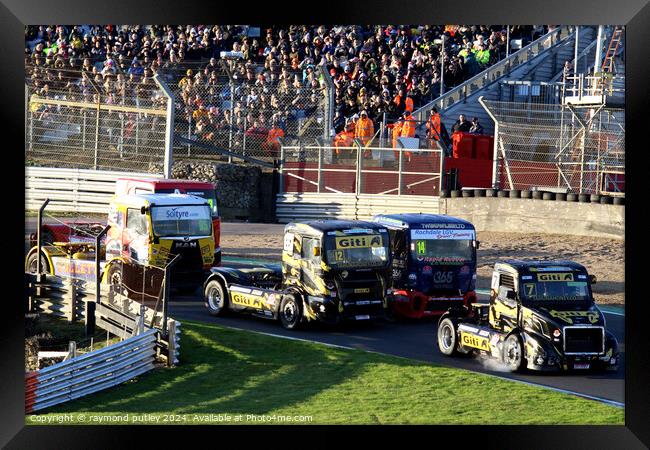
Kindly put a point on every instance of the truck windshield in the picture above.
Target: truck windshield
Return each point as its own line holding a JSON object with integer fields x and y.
{"x": 208, "y": 194}
{"x": 442, "y": 246}
{"x": 185, "y": 220}
{"x": 563, "y": 287}
{"x": 359, "y": 250}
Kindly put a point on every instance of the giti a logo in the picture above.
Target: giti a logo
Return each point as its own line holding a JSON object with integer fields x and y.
{"x": 358, "y": 242}
{"x": 554, "y": 277}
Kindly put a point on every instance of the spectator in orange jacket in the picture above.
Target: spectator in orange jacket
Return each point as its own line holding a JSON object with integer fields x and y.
{"x": 272, "y": 144}
{"x": 433, "y": 125}
{"x": 364, "y": 130}
{"x": 344, "y": 139}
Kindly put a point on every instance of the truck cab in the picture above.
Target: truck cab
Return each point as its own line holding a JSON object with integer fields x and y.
{"x": 541, "y": 315}
{"x": 433, "y": 263}
{"x": 146, "y": 232}
{"x": 203, "y": 189}
{"x": 331, "y": 270}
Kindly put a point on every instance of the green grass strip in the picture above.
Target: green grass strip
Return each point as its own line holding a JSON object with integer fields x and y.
{"x": 232, "y": 376}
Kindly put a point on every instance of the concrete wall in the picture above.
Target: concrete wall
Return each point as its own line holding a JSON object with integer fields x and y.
{"x": 538, "y": 216}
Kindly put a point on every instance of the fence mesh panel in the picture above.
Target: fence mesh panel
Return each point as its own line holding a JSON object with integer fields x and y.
{"x": 75, "y": 120}
{"x": 577, "y": 149}
{"x": 361, "y": 169}
{"x": 245, "y": 108}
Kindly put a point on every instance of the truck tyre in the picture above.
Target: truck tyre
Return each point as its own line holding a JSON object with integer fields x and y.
{"x": 290, "y": 312}
{"x": 447, "y": 337}
{"x": 216, "y": 298}
{"x": 115, "y": 279}
{"x": 31, "y": 264}
{"x": 513, "y": 353}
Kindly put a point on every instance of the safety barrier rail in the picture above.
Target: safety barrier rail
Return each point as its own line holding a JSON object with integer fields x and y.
{"x": 306, "y": 206}
{"x": 91, "y": 372}
{"x": 79, "y": 190}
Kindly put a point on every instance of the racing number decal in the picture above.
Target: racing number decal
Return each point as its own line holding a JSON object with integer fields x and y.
{"x": 338, "y": 255}
{"x": 443, "y": 277}
{"x": 421, "y": 247}
{"x": 531, "y": 289}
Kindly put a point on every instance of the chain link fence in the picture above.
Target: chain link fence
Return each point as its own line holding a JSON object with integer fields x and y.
{"x": 245, "y": 108}
{"x": 78, "y": 119}
{"x": 579, "y": 149}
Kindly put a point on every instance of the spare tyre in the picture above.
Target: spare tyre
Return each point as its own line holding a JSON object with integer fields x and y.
{"x": 605, "y": 200}
{"x": 468, "y": 193}
{"x": 455, "y": 194}
{"x": 502, "y": 194}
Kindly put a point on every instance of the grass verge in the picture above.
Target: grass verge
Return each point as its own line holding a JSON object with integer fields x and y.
{"x": 232, "y": 376}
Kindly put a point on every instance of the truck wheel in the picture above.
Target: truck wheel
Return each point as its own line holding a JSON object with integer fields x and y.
{"x": 447, "y": 337}
{"x": 115, "y": 279}
{"x": 216, "y": 298}
{"x": 513, "y": 353}
{"x": 32, "y": 263}
{"x": 290, "y": 312}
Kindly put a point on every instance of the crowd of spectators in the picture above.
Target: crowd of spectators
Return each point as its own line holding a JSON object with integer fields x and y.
{"x": 278, "y": 72}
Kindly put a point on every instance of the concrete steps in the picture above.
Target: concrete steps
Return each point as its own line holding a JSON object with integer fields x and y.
{"x": 542, "y": 68}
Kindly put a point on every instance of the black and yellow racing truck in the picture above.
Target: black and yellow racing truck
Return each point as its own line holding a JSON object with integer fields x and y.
{"x": 331, "y": 270}
{"x": 541, "y": 316}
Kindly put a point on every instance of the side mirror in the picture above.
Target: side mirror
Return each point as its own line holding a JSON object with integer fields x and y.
{"x": 593, "y": 279}
{"x": 478, "y": 244}
{"x": 143, "y": 210}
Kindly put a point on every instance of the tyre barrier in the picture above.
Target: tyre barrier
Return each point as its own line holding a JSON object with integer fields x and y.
{"x": 491, "y": 192}
{"x": 584, "y": 198}
{"x": 515, "y": 193}
{"x": 526, "y": 194}
{"x": 479, "y": 192}
{"x": 560, "y": 196}
{"x": 571, "y": 197}
{"x": 594, "y": 198}
{"x": 468, "y": 193}
{"x": 537, "y": 195}
{"x": 502, "y": 194}
{"x": 619, "y": 200}
{"x": 548, "y": 196}
{"x": 605, "y": 200}
{"x": 455, "y": 194}
{"x": 444, "y": 193}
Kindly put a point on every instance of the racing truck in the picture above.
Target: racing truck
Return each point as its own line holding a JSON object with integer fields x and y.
{"x": 433, "y": 263}
{"x": 541, "y": 316}
{"x": 82, "y": 231}
{"x": 331, "y": 270}
{"x": 145, "y": 230}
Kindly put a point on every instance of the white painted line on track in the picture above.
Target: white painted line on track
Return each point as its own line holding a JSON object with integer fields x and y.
{"x": 289, "y": 337}
{"x": 564, "y": 391}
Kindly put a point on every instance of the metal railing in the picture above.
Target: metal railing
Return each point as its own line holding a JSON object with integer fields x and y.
{"x": 72, "y": 121}
{"x": 77, "y": 190}
{"x": 362, "y": 169}
{"x": 496, "y": 71}
{"x": 91, "y": 372}
{"x": 537, "y": 146}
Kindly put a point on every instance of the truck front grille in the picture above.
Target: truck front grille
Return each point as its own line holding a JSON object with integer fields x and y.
{"x": 584, "y": 340}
